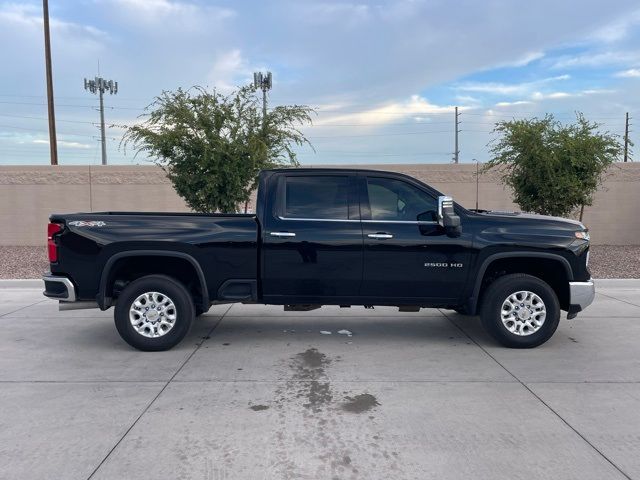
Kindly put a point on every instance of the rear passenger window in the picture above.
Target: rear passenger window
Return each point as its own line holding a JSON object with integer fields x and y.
{"x": 324, "y": 197}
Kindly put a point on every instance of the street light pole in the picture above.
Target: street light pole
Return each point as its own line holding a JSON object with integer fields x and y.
{"x": 53, "y": 143}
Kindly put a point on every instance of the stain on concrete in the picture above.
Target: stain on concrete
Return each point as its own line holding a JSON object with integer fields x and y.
{"x": 312, "y": 358}
{"x": 319, "y": 393}
{"x": 317, "y": 420}
{"x": 360, "y": 403}
{"x": 258, "y": 408}
{"x": 309, "y": 377}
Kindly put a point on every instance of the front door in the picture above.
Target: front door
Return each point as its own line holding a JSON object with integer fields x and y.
{"x": 407, "y": 255}
{"x": 312, "y": 239}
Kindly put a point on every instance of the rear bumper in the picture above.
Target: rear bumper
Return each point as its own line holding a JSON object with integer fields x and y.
{"x": 59, "y": 288}
{"x": 581, "y": 295}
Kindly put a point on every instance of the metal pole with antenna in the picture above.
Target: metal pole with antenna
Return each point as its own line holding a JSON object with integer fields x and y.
{"x": 99, "y": 85}
{"x": 263, "y": 82}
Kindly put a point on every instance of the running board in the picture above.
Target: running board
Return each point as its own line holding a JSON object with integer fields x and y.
{"x": 63, "y": 306}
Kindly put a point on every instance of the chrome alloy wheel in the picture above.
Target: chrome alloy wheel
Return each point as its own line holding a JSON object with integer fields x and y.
{"x": 523, "y": 313}
{"x": 153, "y": 314}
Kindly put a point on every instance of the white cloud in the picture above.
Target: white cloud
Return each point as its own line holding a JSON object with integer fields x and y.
{"x": 509, "y": 88}
{"x": 631, "y": 73}
{"x": 552, "y": 95}
{"x": 595, "y": 60}
{"x": 170, "y": 13}
{"x": 618, "y": 29}
{"x": 30, "y": 17}
{"x": 538, "y": 96}
{"x": 416, "y": 106}
{"x": 64, "y": 144}
{"x": 467, "y": 100}
{"x": 510, "y": 104}
{"x": 331, "y": 10}
{"x": 526, "y": 59}
{"x": 230, "y": 70}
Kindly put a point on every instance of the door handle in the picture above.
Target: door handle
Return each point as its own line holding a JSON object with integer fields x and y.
{"x": 380, "y": 236}
{"x": 282, "y": 234}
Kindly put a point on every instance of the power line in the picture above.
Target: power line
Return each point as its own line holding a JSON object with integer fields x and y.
{"x": 44, "y": 131}
{"x": 45, "y": 118}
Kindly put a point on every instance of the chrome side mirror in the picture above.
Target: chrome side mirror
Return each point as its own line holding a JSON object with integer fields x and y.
{"x": 447, "y": 217}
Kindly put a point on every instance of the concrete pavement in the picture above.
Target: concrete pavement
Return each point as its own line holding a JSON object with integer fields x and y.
{"x": 257, "y": 393}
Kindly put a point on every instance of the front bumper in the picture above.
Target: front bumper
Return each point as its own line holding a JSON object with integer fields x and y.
{"x": 581, "y": 295}
{"x": 59, "y": 288}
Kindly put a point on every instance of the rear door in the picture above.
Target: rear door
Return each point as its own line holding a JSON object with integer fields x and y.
{"x": 407, "y": 255}
{"x": 312, "y": 239}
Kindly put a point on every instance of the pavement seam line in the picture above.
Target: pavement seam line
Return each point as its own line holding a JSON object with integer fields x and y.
{"x": 535, "y": 395}
{"x": 146, "y": 409}
{"x": 619, "y": 300}
{"x": 22, "y": 308}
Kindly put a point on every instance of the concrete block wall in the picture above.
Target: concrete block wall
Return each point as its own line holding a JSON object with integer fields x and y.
{"x": 29, "y": 194}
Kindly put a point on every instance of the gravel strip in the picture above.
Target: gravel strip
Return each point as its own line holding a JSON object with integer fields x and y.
{"x": 606, "y": 261}
{"x": 23, "y": 262}
{"x": 614, "y": 261}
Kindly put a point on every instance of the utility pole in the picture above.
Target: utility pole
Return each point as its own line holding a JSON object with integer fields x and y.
{"x": 626, "y": 137}
{"x": 263, "y": 82}
{"x": 99, "y": 85}
{"x": 456, "y": 152}
{"x": 53, "y": 143}
{"x": 477, "y": 181}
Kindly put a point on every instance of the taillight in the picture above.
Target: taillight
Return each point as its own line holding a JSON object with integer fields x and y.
{"x": 52, "y": 229}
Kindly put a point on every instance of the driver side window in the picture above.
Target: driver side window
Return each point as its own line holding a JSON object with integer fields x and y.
{"x": 396, "y": 200}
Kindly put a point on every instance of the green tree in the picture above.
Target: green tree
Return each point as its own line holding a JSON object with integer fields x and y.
{"x": 553, "y": 168}
{"x": 212, "y": 146}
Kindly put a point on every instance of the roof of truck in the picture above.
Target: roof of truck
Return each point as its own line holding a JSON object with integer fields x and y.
{"x": 329, "y": 169}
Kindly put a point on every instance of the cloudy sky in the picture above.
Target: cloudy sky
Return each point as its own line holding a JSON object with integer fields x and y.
{"x": 384, "y": 76}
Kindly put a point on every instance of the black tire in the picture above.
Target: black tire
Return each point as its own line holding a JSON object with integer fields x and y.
{"x": 498, "y": 291}
{"x": 172, "y": 289}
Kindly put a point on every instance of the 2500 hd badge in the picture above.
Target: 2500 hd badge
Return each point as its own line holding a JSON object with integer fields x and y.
{"x": 443, "y": 264}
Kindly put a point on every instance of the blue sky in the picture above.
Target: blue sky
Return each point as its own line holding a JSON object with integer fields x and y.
{"x": 384, "y": 76}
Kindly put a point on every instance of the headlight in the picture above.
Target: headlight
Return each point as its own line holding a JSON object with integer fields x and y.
{"x": 583, "y": 235}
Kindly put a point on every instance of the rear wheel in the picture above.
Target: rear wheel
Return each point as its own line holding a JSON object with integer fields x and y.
{"x": 154, "y": 313}
{"x": 520, "y": 311}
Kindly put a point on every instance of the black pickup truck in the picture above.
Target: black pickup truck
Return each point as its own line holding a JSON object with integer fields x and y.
{"x": 323, "y": 237}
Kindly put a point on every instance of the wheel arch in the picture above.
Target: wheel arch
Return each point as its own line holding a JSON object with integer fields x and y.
{"x": 105, "y": 290}
{"x": 561, "y": 263}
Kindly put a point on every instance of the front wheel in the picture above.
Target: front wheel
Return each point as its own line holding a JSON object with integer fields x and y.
{"x": 154, "y": 313}
{"x": 520, "y": 311}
